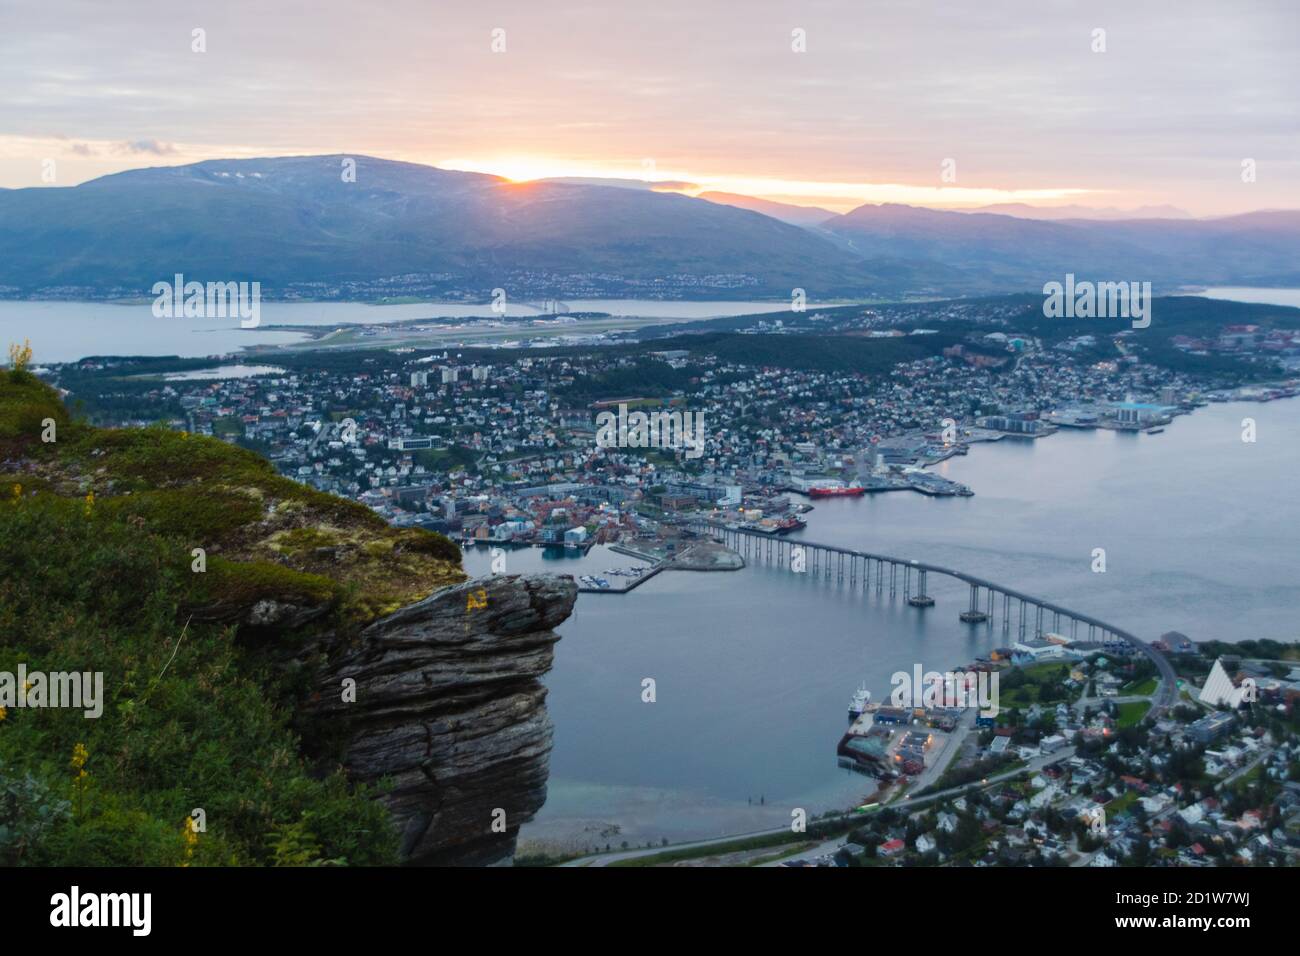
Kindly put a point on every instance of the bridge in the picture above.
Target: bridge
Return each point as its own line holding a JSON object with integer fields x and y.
{"x": 910, "y": 577}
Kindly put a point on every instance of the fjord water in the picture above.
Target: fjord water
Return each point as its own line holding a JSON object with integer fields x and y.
{"x": 68, "y": 331}
{"x": 754, "y": 669}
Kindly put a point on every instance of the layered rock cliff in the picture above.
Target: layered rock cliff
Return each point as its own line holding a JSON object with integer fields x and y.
{"x": 449, "y": 709}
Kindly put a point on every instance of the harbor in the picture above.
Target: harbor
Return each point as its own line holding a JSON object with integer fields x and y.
{"x": 692, "y": 555}
{"x": 802, "y": 643}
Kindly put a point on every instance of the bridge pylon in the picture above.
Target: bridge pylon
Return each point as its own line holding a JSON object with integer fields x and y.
{"x": 973, "y": 615}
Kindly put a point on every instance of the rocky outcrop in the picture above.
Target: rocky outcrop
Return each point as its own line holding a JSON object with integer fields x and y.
{"x": 448, "y": 707}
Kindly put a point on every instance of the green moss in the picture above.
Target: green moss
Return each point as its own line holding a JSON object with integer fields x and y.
{"x": 25, "y": 402}
{"x": 420, "y": 541}
{"x": 215, "y": 514}
{"x": 233, "y": 584}
{"x": 300, "y": 540}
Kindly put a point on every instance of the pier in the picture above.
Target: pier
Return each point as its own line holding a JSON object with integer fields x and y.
{"x": 636, "y": 582}
{"x": 1027, "y": 614}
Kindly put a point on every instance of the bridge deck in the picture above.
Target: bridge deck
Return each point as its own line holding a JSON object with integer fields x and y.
{"x": 1162, "y": 664}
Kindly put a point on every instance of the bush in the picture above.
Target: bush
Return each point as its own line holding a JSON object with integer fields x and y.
{"x": 28, "y": 811}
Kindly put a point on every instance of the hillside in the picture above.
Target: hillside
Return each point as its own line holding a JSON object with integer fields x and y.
{"x": 294, "y": 224}
{"x": 1019, "y": 254}
{"x": 806, "y": 216}
{"x": 223, "y": 668}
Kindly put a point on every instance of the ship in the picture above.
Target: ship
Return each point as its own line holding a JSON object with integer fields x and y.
{"x": 791, "y": 523}
{"x": 851, "y": 492}
{"x": 861, "y": 697}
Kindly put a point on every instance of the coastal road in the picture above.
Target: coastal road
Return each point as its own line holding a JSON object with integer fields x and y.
{"x": 905, "y": 803}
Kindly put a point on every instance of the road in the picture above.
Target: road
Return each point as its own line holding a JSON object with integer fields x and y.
{"x": 905, "y": 803}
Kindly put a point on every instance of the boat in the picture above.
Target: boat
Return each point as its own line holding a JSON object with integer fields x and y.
{"x": 861, "y": 697}
{"x": 1154, "y": 431}
{"x": 823, "y": 492}
{"x": 792, "y": 523}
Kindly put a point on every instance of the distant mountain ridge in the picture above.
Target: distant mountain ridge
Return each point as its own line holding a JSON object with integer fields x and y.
{"x": 402, "y": 229}
{"x": 806, "y": 216}
{"x": 1259, "y": 248}
{"x": 294, "y": 222}
{"x": 1056, "y": 213}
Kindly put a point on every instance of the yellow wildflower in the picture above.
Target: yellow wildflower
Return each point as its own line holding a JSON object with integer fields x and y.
{"x": 191, "y": 828}
{"x": 20, "y": 356}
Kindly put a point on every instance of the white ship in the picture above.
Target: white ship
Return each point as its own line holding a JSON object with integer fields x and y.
{"x": 861, "y": 697}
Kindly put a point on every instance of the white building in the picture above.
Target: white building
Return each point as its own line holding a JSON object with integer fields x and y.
{"x": 1038, "y": 650}
{"x": 1220, "y": 691}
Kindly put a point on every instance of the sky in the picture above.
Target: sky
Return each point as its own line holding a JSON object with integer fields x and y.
{"x": 950, "y": 104}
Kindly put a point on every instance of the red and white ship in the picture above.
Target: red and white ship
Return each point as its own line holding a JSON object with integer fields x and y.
{"x": 852, "y": 491}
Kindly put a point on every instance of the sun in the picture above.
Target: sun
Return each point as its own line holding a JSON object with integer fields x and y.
{"x": 523, "y": 168}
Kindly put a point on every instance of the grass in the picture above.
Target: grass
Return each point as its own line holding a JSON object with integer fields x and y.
{"x": 191, "y": 716}
{"x": 98, "y": 572}
{"x": 1131, "y": 714}
{"x": 1122, "y": 803}
{"x": 1037, "y": 676}
{"x": 231, "y": 503}
{"x": 1140, "y": 689}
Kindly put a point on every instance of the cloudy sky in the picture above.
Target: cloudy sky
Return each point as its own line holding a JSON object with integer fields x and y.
{"x": 712, "y": 92}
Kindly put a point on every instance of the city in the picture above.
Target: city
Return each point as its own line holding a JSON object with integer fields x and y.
{"x": 445, "y": 446}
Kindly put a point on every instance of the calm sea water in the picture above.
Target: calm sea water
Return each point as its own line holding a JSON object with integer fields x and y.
{"x": 1266, "y": 296}
{"x": 754, "y": 669}
{"x": 67, "y": 331}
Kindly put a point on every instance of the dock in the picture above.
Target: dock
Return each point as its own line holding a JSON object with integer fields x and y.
{"x": 636, "y": 583}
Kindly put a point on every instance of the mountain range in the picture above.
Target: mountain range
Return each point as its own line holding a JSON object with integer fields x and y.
{"x": 300, "y": 227}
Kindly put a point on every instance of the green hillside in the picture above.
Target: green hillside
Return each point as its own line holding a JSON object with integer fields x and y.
{"x": 201, "y": 670}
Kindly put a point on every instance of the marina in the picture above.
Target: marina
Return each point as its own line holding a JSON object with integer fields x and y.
{"x": 600, "y": 583}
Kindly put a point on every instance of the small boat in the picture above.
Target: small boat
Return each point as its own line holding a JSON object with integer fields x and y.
{"x": 861, "y": 697}
{"x": 1154, "y": 431}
